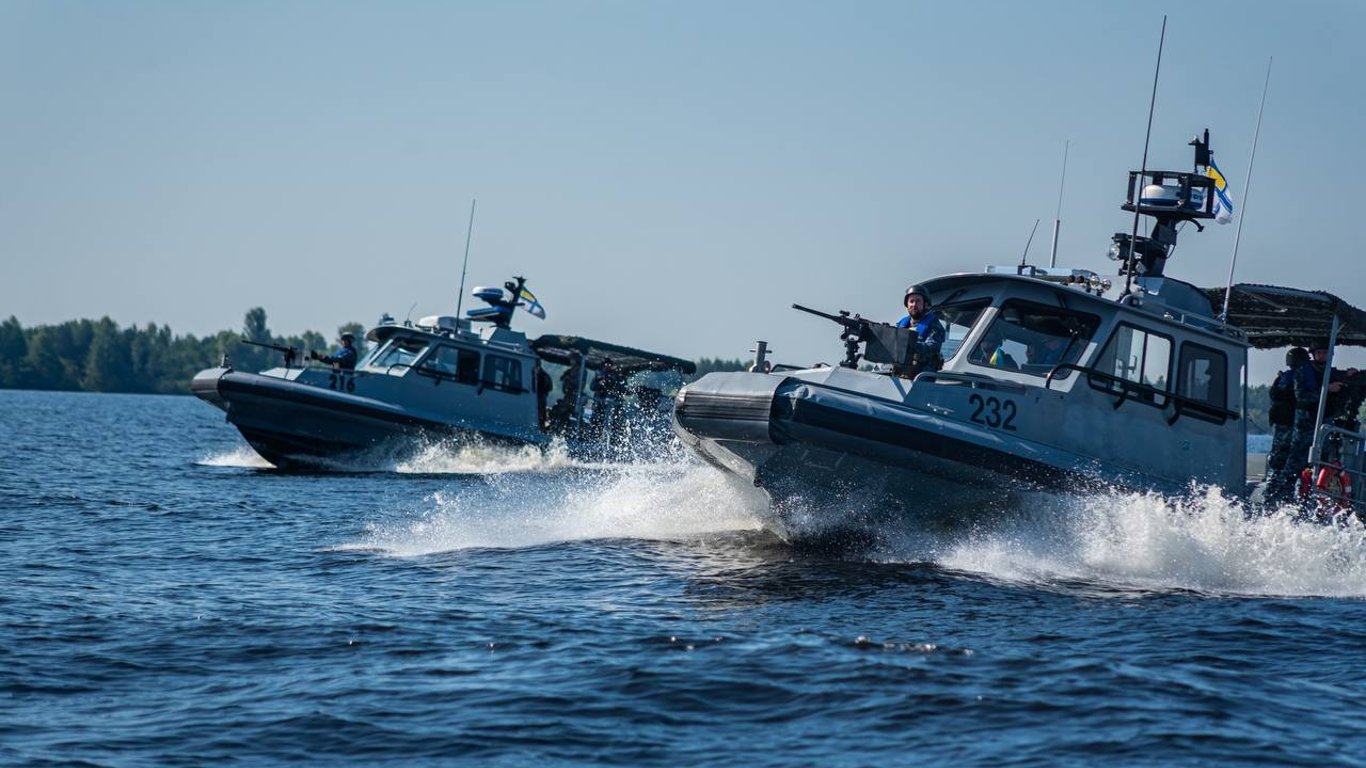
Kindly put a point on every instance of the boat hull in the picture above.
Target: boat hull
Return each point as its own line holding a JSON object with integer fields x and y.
{"x": 298, "y": 425}
{"x": 842, "y": 463}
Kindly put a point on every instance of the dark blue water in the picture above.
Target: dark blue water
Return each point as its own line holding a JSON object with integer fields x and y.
{"x": 167, "y": 601}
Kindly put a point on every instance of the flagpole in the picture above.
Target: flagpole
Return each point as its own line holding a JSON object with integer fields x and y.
{"x": 460, "y": 298}
{"x": 1247, "y": 188}
{"x": 1143, "y": 174}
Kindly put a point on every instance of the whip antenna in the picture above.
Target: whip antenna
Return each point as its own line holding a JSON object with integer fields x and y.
{"x": 1057, "y": 222}
{"x": 1025, "y": 256}
{"x": 1133, "y": 239}
{"x": 1247, "y": 188}
{"x": 468, "y": 232}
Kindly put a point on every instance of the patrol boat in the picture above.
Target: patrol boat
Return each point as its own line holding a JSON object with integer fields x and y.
{"x": 440, "y": 378}
{"x": 1045, "y": 383}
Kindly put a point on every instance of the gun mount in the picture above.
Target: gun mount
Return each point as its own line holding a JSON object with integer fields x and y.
{"x": 291, "y": 354}
{"x": 854, "y": 333}
{"x": 883, "y": 343}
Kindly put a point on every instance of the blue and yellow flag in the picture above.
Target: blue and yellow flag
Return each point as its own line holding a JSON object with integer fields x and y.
{"x": 533, "y": 305}
{"x": 1223, "y": 204}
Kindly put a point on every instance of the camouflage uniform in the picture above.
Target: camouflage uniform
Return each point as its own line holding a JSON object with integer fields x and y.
{"x": 1282, "y": 418}
{"x": 1306, "y": 383}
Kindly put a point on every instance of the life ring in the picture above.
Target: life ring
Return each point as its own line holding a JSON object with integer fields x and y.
{"x": 1335, "y": 482}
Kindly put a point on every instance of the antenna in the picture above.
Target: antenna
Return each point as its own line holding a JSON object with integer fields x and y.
{"x": 1133, "y": 239}
{"x": 460, "y": 297}
{"x": 1025, "y": 255}
{"x": 1057, "y": 222}
{"x": 1247, "y": 187}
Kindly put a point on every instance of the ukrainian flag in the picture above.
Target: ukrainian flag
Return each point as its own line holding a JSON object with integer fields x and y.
{"x": 1223, "y": 204}
{"x": 533, "y": 305}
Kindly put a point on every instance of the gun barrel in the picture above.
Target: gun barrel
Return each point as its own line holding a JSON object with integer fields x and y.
{"x": 841, "y": 319}
{"x": 276, "y": 347}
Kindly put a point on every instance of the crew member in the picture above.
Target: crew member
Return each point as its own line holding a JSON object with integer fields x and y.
{"x": 1282, "y": 413}
{"x": 345, "y": 358}
{"x": 1335, "y": 409}
{"x": 1304, "y": 380}
{"x": 989, "y": 351}
{"x": 543, "y": 386}
{"x": 929, "y": 332}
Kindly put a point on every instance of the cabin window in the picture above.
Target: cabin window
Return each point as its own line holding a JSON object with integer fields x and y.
{"x": 467, "y": 367}
{"x": 1203, "y": 375}
{"x": 503, "y": 373}
{"x": 451, "y": 362}
{"x": 1034, "y": 338}
{"x": 400, "y": 352}
{"x": 958, "y": 319}
{"x": 441, "y": 362}
{"x": 1140, "y": 357}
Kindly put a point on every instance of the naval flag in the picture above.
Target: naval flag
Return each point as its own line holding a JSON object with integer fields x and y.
{"x": 1223, "y": 204}
{"x": 533, "y": 305}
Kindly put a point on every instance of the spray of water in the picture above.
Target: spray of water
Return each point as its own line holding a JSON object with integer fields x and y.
{"x": 655, "y": 502}
{"x": 434, "y": 457}
{"x": 241, "y": 457}
{"x": 1205, "y": 542}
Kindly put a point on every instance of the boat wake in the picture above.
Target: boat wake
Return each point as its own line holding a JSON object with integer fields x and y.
{"x": 1204, "y": 543}
{"x": 644, "y": 501}
{"x": 437, "y": 457}
{"x": 242, "y": 457}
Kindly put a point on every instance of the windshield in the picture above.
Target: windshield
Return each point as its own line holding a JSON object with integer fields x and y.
{"x": 400, "y": 352}
{"x": 1033, "y": 338}
{"x": 958, "y": 319}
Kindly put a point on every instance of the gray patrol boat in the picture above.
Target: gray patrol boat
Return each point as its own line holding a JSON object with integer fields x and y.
{"x": 443, "y": 378}
{"x": 1045, "y": 383}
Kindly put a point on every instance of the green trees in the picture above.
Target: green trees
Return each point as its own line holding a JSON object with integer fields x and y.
{"x": 99, "y": 356}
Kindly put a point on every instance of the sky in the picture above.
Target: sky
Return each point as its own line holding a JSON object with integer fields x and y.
{"x": 666, "y": 175}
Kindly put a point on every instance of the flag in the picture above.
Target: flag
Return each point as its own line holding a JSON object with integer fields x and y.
{"x": 1223, "y": 204}
{"x": 533, "y": 305}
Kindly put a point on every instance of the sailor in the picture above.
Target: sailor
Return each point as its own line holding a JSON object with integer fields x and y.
{"x": 609, "y": 388}
{"x": 1335, "y": 409}
{"x": 345, "y": 358}
{"x": 925, "y": 355}
{"x": 1304, "y": 381}
{"x": 990, "y": 352}
{"x": 567, "y": 405}
{"x": 543, "y": 386}
{"x": 1282, "y": 413}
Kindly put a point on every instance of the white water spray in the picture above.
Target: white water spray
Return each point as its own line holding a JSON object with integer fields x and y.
{"x": 652, "y": 502}
{"x": 1203, "y": 543}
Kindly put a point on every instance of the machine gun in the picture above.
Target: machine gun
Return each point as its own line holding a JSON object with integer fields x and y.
{"x": 291, "y": 354}
{"x": 856, "y": 331}
{"x": 884, "y": 343}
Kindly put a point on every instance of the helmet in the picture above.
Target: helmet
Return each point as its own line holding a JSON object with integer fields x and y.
{"x": 348, "y": 337}
{"x": 916, "y": 289}
{"x": 1296, "y": 356}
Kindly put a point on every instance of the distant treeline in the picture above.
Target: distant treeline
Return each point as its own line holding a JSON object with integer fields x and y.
{"x": 99, "y": 356}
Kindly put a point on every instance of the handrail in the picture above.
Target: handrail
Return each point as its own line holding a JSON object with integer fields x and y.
{"x": 975, "y": 379}
{"x": 1128, "y": 387}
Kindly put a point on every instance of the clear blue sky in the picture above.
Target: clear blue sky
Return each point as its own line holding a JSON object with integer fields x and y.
{"x": 668, "y": 175}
